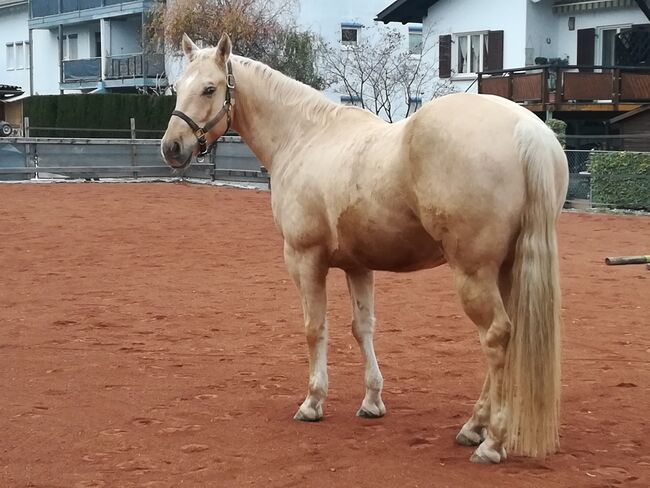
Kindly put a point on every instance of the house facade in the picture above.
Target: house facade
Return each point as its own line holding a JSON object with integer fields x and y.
{"x": 584, "y": 62}
{"x": 77, "y": 46}
{"x": 14, "y": 44}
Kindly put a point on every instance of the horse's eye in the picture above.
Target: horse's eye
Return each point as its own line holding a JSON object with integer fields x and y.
{"x": 209, "y": 90}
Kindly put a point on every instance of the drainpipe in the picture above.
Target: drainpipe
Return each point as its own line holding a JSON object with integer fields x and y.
{"x": 102, "y": 42}
{"x": 60, "y": 58}
{"x": 31, "y": 62}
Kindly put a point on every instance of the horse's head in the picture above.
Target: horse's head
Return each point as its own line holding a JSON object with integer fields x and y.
{"x": 203, "y": 105}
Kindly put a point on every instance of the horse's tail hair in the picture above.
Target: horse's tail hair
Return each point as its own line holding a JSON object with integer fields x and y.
{"x": 532, "y": 369}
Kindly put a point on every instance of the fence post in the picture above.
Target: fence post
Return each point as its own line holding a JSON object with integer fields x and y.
{"x": 133, "y": 147}
{"x": 26, "y": 127}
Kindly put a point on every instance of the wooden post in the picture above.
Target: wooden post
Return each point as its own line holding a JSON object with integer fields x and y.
{"x": 627, "y": 260}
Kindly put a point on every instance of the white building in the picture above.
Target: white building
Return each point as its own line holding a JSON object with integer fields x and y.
{"x": 14, "y": 44}
{"x": 340, "y": 22}
{"x": 518, "y": 31}
{"x": 72, "y": 46}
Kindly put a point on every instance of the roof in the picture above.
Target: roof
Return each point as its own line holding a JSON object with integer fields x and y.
{"x": 630, "y": 114}
{"x": 405, "y": 11}
{"x": 9, "y": 91}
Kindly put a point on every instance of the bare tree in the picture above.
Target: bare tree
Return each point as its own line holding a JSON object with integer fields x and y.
{"x": 260, "y": 29}
{"x": 380, "y": 75}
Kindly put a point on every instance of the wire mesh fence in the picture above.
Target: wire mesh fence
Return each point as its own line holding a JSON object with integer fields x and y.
{"x": 609, "y": 179}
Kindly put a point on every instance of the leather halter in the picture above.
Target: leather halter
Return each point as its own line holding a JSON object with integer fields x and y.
{"x": 201, "y": 132}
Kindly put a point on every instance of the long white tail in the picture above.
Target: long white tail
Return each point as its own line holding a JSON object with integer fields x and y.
{"x": 532, "y": 370}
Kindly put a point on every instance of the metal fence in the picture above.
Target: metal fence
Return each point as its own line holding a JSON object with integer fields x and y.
{"x": 28, "y": 158}
{"x": 581, "y": 182}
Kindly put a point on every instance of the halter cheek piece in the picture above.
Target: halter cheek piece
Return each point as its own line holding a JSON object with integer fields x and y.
{"x": 201, "y": 132}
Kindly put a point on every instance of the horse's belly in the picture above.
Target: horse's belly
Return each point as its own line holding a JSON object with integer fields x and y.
{"x": 391, "y": 248}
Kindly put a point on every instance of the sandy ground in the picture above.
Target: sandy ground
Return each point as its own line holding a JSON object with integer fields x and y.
{"x": 150, "y": 337}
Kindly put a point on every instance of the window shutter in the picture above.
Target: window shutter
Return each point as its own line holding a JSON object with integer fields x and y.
{"x": 495, "y": 50}
{"x": 586, "y": 47}
{"x": 444, "y": 56}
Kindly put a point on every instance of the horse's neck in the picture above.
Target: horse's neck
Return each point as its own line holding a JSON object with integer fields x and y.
{"x": 270, "y": 114}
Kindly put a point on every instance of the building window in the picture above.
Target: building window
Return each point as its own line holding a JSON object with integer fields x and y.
{"x": 20, "y": 55}
{"x": 415, "y": 40}
{"x": 471, "y": 52}
{"x": 350, "y": 34}
{"x": 607, "y": 48}
{"x": 10, "y": 55}
{"x": 353, "y": 101}
{"x": 70, "y": 46}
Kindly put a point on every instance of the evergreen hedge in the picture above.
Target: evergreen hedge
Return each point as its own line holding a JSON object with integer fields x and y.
{"x": 621, "y": 179}
{"x": 110, "y": 112}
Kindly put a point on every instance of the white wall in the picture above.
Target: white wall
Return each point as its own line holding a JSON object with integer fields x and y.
{"x": 13, "y": 28}
{"x": 126, "y": 35}
{"x": 568, "y": 40}
{"x": 461, "y": 16}
{"x": 541, "y": 32}
{"x": 45, "y": 52}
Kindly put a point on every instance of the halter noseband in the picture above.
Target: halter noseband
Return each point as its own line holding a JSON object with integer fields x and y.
{"x": 201, "y": 132}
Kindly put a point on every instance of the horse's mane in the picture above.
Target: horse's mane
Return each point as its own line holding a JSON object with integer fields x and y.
{"x": 312, "y": 103}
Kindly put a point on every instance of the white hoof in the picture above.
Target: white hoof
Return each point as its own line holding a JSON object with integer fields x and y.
{"x": 309, "y": 414}
{"x": 371, "y": 410}
{"x": 487, "y": 455}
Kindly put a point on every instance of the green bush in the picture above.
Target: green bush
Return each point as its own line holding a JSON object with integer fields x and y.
{"x": 109, "y": 112}
{"x": 621, "y": 179}
{"x": 559, "y": 127}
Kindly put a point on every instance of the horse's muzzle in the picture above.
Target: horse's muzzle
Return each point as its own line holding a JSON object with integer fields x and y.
{"x": 174, "y": 154}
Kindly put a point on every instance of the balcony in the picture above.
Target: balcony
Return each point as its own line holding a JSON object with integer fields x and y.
{"x": 134, "y": 70}
{"x": 571, "y": 88}
{"x": 48, "y": 14}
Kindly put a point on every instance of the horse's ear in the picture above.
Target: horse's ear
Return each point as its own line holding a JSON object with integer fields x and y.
{"x": 189, "y": 48}
{"x": 224, "y": 48}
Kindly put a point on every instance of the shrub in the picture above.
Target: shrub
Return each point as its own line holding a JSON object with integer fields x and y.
{"x": 559, "y": 127}
{"x": 621, "y": 179}
{"x": 110, "y": 112}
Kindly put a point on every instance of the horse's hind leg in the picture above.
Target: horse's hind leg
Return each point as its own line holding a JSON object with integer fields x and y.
{"x": 309, "y": 273}
{"x": 475, "y": 429}
{"x": 361, "y": 285}
{"x": 481, "y": 299}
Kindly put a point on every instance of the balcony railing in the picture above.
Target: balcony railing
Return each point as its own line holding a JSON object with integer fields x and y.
{"x": 135, "y": 66}
{"x": 569, "y": 84}
{"x": 43, "y": 8}
{"x": 117, "y": 68}
{"x": 79, "y": 70}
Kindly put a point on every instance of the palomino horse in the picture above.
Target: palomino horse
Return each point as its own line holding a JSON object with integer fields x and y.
{"x": 470, "y": 180}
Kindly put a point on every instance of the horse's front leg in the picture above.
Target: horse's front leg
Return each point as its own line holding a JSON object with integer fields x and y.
{"x": 309, "y": 271}
{"x": 361, "y": 286}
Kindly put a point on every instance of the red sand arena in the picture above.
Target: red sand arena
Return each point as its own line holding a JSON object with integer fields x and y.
{"x": 151, "y": 337}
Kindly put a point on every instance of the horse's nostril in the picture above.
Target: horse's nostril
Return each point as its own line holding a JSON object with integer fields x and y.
{"x": 176, "y": 148}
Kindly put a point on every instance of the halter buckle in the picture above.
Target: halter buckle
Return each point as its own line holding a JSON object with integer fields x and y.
{"x": 230, "y": 81}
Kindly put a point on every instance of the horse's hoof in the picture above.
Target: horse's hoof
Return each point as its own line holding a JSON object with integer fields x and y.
{"x": 484, "y": 455}
{"x": 468, "y": 438}
{"x": 312, "y": 417}
{"x": 363, "y": 413}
